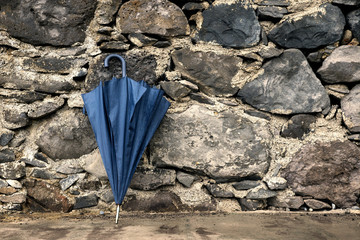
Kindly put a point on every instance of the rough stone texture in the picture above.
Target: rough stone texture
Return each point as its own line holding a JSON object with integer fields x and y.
{"x": 67, "y": 135}
{"x": 291, "y": 202}
{"x": 266, "y": 12}
{"x": 58, "y": 23}
{"x": 106, "y": 10}
{"x": 286, "y": 86}
{"x": 22, "y": 96}
{"x": 68, "y": 166}
{"x": 218, "y": 191}
{"x": 45, "y": 174}
{"x": 48, "y": 196}
{"x": 46, "y": 107}
{"x": 353, "y": 19}
{"x": 107, "y": 196}
{"x": 7, "y": 155}
{"x": 246, "y": 184}
{"x": 261, "y": 193}
{"x": 316, "y": 204}
{"x": 85, "y": 201}
{"x": 167, "y": 19}
{"x": 67, "y": 182}
{"x": 309, "y": 29}
{"x": 351, "y": 109}
{"x": 34, "y": 162}
{"x": 230, "y": 25}
{"x": 326, "y": 171}
{"x": 343, "y": 65}
{"x": 7, "y": 190}
{"x": 15, "y": 198}
{"x": 347, "y": 2}
{"x": 175, "y": 90}
{"x": 92, "y": 163}
{"x": 141, "y": 40}
{"x": 3, "y": 183}
{"x": 12, "y": 170}
{"x": 276, "y": 183}
{"x": 297, "y": 126}
{"x": 251, "y": 205}
{"x": 5, "y": 136}
{"x": 197, "y": 138}
{"x": 14, "y": 183}
{"x": 14, "y": 116}
{"x": 210, "y": 71}
{"x": 185, "y": 179}
{"x": 151, "y": 179}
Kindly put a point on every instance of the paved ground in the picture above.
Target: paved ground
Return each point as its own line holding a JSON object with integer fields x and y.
{"x": 245, "y": 225}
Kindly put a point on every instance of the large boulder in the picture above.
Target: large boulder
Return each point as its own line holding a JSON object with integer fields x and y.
{"x": 47, "y": 22}
{"x": 212, "y": 72}
{"x": 343, "y": 65}
{"x": 224, "y": 146}
{"x": 353, "y": 19}
{"x": 287, "y": 85}
{"x": 230, "y": 25}
{"x": 351, "y": 109}
{"x": 309, "y": 29}
{"x": 326, "y": 170}
{"x": 159, "y": 17}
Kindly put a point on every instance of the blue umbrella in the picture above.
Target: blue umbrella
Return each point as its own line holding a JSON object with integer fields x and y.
{"x": 124, "y": 115}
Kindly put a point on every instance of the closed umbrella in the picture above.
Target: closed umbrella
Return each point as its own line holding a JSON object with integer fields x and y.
{"x": 124, "y": 115}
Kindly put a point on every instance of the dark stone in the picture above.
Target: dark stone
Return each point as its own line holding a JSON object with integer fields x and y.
{"x": 297, "y": 126}
{"x": 151, "y": 179}
{"x": 68, "y": 182}
{"x": 259, "y": 194}
{"x": 86, "y": 201}
{"x": 89, "y": 184}
{"x": 107, "y": 196}
{"x": 251, "y": 205}
{"x": 67, "y": 135}
{"x": 50, "y": 64}
{"x": 354, "y": 137}
{"x": 106, "y": 10}
{"x": 41, "y": 157}
{"x": 15, "y": 115}
{"x": 351, "y": 109}
{"x": 287, "y": 86}
{"x": 141, "y": 40}
{"x": 218, "y": 192}
{"x": 12, "y": 170}
{"x": 316, "y": 204}
{"x": 22, "y": 96}
{"x": 202, "y": 98}
{"x": 194, "y": 6}
{"x": 159, "y": 17}
{"x": 266, "y": 12}
{"x": 185, "y": 179}
{"x": 233, "y": 25}
{"x": 353, "y": 20}
{"x": 257, "y": 114}
{"x": 342, "y": 65}
{"x": 48, "y": 196}
{"x": 19, "y": 138}
{"x": 162, "y": 44}
{"x": 46, "y": 107}
{"x": 114, "y": 46}
{"x": 45, "y": 174}
{"x": 34, "y": 162}
{"x": 196, "y": 139}
{"x": 326, "y": 170}
{"x": 347, "y": 2}
{"x": 211, "y": 72}
{"x": 58, "y": 23}
{"x": 282, "y": 3}
{"x": 175, "y": 90}
{"x": 246, "y": 185}
{"x": 310, "y": 29}
{"x": 13, "y": 207}
{"x": 270, "y": 52}
{"x": 291, "y": 202}
{"x": 7, "y": 155}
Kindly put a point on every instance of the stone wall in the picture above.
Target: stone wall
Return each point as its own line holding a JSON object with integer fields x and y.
{"x": 265, "y": 100}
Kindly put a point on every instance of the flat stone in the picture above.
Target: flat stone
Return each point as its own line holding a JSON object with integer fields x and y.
{"x": 246, "y": 185}
{"x": 45, "y": 174}
{"x": 68, "y": 166}
{"x": 140, "y": 40}
{"x": 14, "y": 198}
{"x": 19, "y": 138}
{"x": 159, "y": 17}
{"x": 162, "y": 44}
{"x": 297, "y": 126}
{"x": 3, "y": 183}
{"x": 353, "y": 19}
{"x": 326, "y": 170}
{"x": 354, "y": 137}
{"x": 42, "y": 157}
{"x": 323, "y": 26}
{"x": 175, "y": 90}
{"x": 90, "y": 184}
{"x": 57, "y": 65}
{"x": 276, "y": 183}
{"x": 342, "y": 65}
{"x": 266, "y": 12}
{"x": 261, "y": 193}
{"x": 230, "y": 25}
{"x": 22, "y": 96}
{"x": 14, "y": 183}
{"x": 67, "y": 135}
{"x": 46, "y": 107}
{"x": 250, "y": 204}
{"x": 114, "y": 46}
{"x": 7, "y": 155}
{"x": 48, "y": 196}
{"x": 86, "y": 201}
{"x": 12, "y": 170}
{"x": 286, "y": 86}
{"x": 347, "y": 2}
{"x": 257, "y": 114}
{"x": 68, "y": 182}
{"x": 151, "y": 179}
{"x": 12, "y": 206}
{"x": 47, "y": 22}
{"x": 93, "y": 164}
{"x": 241, "y": 144}
{"x": 218, "y": 191}
{"x": 185, "y": 179}
{"x": 5, "y": 136}
{"x": 107, "y": 196}
{"x": 15, "y": 115}
{"x": 291, "y": 202}
{"x": 105, "y": 11}
{"x": 202, "y": 98}
{"x": 7, "y": 190}
{"x": 316, "y": 204}
{"x": 283, "y": 3}
{"x": 191, "y": 65}
{"x": 351, "y": 109}
{"x": 34, "y": 162}
{"x": 270, "y": 52}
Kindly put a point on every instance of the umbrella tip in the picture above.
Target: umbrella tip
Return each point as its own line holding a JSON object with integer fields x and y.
{"x": 117, "y": 214}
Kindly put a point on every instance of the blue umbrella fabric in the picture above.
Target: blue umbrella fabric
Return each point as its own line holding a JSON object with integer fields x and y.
{"x": 124, "y": 115}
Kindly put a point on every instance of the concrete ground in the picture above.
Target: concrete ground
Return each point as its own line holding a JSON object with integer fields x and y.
{"x": 244, "y": 225}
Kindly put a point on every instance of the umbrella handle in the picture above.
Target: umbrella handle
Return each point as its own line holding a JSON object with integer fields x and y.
{"x": 123, "y": 64}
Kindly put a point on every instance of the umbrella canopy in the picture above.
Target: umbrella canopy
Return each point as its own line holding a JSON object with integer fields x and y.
{"x": 124, "y": 115}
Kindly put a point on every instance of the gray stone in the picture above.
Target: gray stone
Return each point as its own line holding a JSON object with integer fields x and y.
{"x": 12, "y": 170}
{"x": 107, "y": 196}
{"x": 5, "y": 136}
{"x": 45, "y": 174}
{"x": 93, "y": 164}
{"x": 7, "y": 155}
{"x": 105, "y": 11}
{"x": 15, "y": 115}
{"x": 46, "y": 107}
{"x": 42, "y": 157}
{"x": 3, "y": 183}
{"x": 326, "y": 170}
{"x": 286, "y": 86}
{"x": 90, "y": 184}
{"x": 282, "y": 3}
{"x": 218, "y": 191}
{"x": 210, "y": 71}
{"x": 257, "y": 114}
{"x": 175, "y": 90}
{"x": 34, "y": 162}
{"x": 351, "y": 109}
{"x": 316, "y": 204}
{"x": 250, "y": 204}
{"x": 230, "y": 25}
{"x": 309, "y": 29}
{"x": 201, "y": 98}
{"x": 162, "y": 44}
{"x": 58, "y": 23}
{"x": 354, "y": 137}
{"x": 261, "y": 193}
{"x": 185, "y": 179}
{"x": 159, "y": 17}
{"x": 347, "y": 2}
{"x": 68, "y": 166}
{"x": 337, "y": 90}
{"x": 353, "y": 20}
{"x": 22, "y": 96}
{"x": 141, "y": 40}
{"x": 64, "y": 65}
{"x": 151, "y": 179}
{"x": 68, "y": 182}
{"x": 86, "y": 201}
{"x": 270, "y": 52}
{"x": 15, "y": 198}
{"x": 246, "y": 184}
{"x": 297, "y": 126}
{"x": 67, "y": 135}
{"x": 114, "y": 46}
{"x": 197, "y": 138}
{"x": 291, "y": 202}
{"x": 342, "y": 65}
{"x": 14, "y": 183}
{"x": 266, "y": 12}
{"x": 276, "y": 183}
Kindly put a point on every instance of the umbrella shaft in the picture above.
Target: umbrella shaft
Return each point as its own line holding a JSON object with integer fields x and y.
{"x": 117, "y": 213}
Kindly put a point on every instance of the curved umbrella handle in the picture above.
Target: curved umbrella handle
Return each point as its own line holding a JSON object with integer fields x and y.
{"x": 123, "y": 64}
